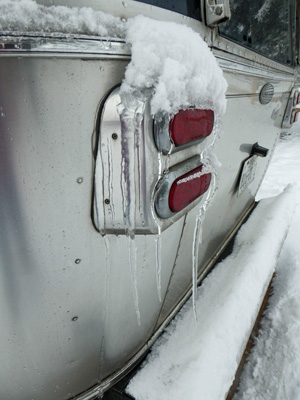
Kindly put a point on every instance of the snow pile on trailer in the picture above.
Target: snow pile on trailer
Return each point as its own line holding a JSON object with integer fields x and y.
{"x": 174, "y": 62}
{"x": 27, "y": 16}
{"x": 200, "y": 363}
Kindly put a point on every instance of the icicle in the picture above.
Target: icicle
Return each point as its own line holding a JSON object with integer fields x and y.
{"x": 158, "y": 263}
{"x": 133, "y": 273}
{"x": 197, "y": 240}
{"x": 110, "y": 182}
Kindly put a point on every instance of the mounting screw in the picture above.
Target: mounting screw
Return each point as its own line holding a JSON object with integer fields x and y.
{"x": 107, "y": 201}
{"x": 74, "y": 319}
{"x": 218, "y": 10}
{"x": 79, "y": 180}
{"x": 77, "y": 261}
{"x": 114, "y": 136}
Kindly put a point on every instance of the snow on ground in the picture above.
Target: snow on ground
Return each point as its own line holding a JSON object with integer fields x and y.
{"x": 198, "y": 361}
{"x": 273, "y": 369}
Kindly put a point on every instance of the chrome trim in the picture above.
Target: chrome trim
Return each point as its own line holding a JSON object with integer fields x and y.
{"x": 161, "y": 197}
{"x": 222, "y": 45}
{"x": 233, "y": 63}
{"x": 31, "y": 45}
{"x": 163, "y": 139}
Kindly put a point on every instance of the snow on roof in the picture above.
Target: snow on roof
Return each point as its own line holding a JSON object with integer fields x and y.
{"x": 177, "y": 63}
{"x": 170, "y": 60}
{"x": 28, "y": 16}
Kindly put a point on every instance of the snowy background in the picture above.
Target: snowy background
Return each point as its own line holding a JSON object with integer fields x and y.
{"x": 198, "y": 359}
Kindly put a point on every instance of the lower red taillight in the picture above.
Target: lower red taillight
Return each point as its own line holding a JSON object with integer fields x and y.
{"x": 188, "y": 188}
{"x": 296, "y": 116}
{"x": 189, "y": 125}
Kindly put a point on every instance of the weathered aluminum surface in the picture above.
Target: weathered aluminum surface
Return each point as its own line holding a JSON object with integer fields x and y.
{"x": 68, "y": 300}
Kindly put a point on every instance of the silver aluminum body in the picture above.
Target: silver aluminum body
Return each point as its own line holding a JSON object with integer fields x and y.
{"x": 70, "y": 296}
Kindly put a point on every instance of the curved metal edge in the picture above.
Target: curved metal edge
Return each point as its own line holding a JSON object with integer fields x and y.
{"x": 161, "y": 196}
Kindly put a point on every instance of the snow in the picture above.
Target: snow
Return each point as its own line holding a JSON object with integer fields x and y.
{"x": 273, "y": 369}
{"x": 198, "y": 360}
{"x": 27, "y": 16}
{"x": 174, "y": 62}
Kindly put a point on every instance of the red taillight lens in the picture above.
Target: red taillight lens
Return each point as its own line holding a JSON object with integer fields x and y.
{"x": 189, "y": 125}
{"x": 187, "y": 188}
{"x": 298, "y": 98}
{"x": 295, "y": 117}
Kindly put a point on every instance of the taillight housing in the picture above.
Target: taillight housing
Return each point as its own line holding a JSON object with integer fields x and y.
{"x": 296, "y": 98}
{"x": 183, "y": 129}
{"x": 294, "y": 116}
{"x": 181, "y": 188}
{"x": 188, "y": 188}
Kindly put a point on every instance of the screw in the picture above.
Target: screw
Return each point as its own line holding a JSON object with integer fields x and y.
{"x": 218, "y": 10}
{"x": 74, "y": 319}
{"x": 106, "y": 201}
{"x": 77, "y": 261}
{"x": 79, "y": 180}
{"x": 114, "y": 136}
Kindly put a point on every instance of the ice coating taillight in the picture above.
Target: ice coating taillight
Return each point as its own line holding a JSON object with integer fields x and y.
{"x": 185, "y": 128}
{"x": 181, "y": 188}
{"x": 296, "y": 98}
{"x": 295, "y": 116}
{"x": 189, "y": 125}
{"x": 188, "y": 188}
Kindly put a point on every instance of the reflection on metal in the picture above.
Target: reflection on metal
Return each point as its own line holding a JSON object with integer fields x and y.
{"x": 59, "y": 45}
{"x": 266, "y": 94}
{"x": 162, "y": 192}
{"x": 217, "y": 12}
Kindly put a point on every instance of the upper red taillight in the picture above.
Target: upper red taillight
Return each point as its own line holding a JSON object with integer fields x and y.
{"x": 189, "y": 125}
{"x": 188, "y": 188}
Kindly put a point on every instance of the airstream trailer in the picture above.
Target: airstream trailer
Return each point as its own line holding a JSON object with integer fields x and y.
{"x": 103, "y": 232}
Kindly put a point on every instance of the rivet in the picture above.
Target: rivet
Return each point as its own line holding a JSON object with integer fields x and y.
{"x": 123, "y": 20}
{"x": 77, "y": 261}
{"x": 74, "y": 319}
{"x": 114, "y": 136}
{"x": 106, "y": 201}
{"x": 101, "y": 68}
{"x": 79, "y": 180}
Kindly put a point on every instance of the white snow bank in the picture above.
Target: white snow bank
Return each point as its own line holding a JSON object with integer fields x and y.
{"x": 199, "y": 361}
{"x": 173, "y": 60}
{"x": 285, "y": 165}
{"x": 28, "y": 16}
{"x": 273, "y": 369}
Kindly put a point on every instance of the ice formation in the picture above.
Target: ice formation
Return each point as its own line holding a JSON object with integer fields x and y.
{"x": 174, "y": 63}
